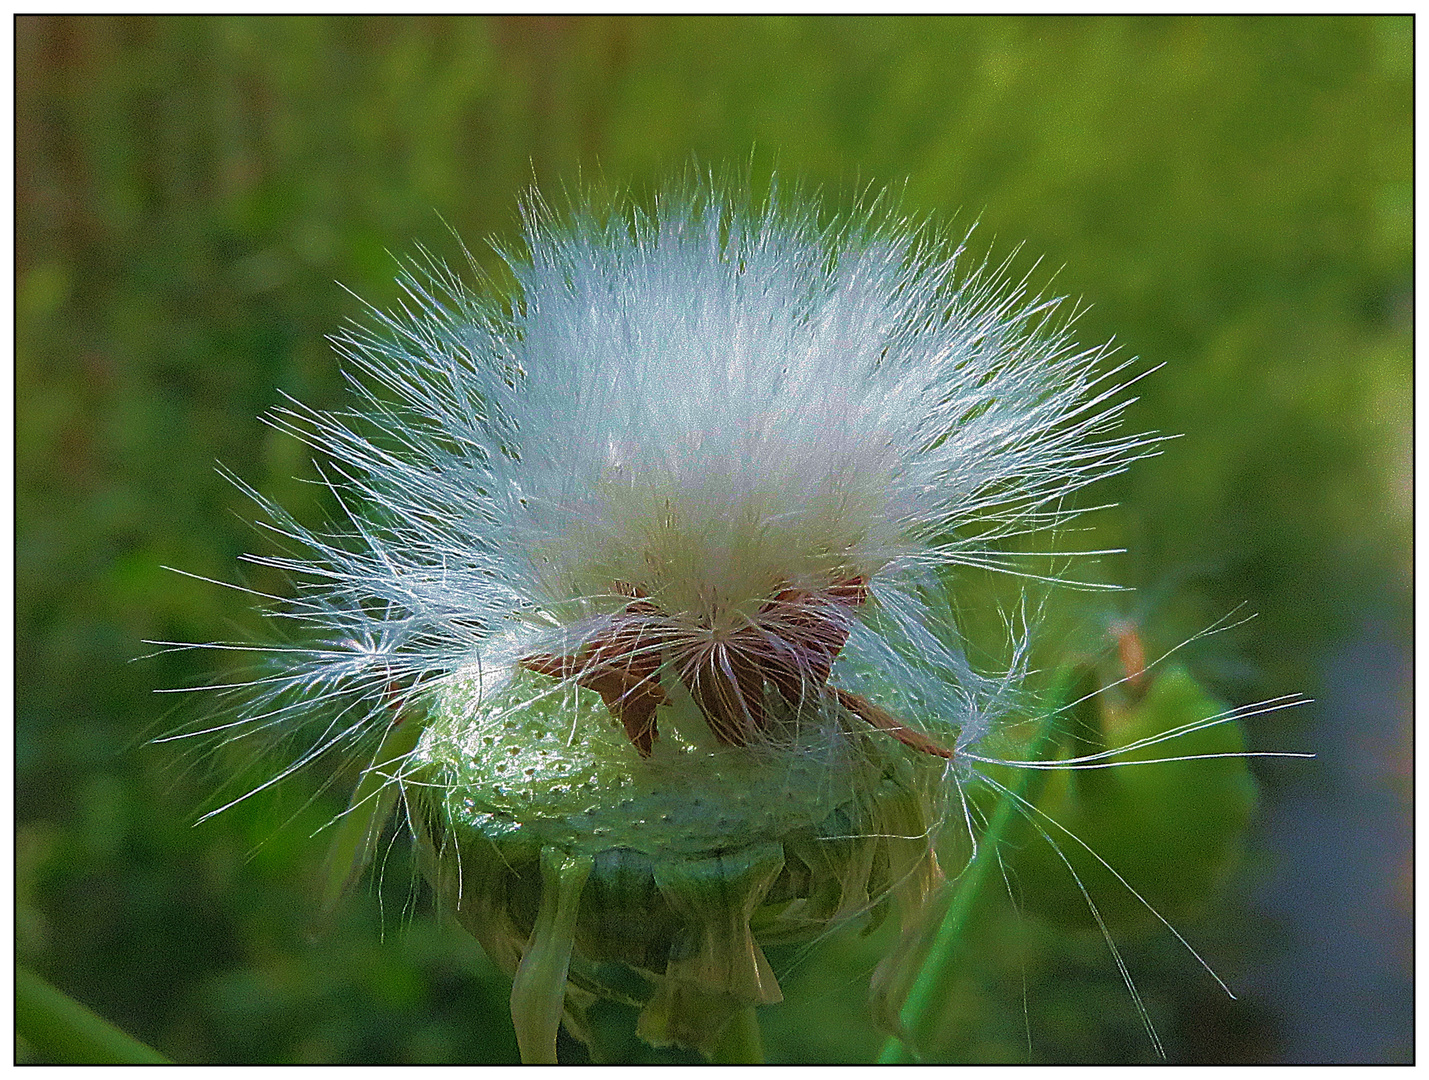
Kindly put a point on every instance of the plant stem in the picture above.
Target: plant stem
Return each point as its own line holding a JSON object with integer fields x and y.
{"x": 741, "y": 1043}
{"x": 66, "y": 1032}
{"x": 928, "y": 986}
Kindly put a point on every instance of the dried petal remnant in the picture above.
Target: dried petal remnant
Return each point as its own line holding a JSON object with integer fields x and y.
{"x": 791, "y": 645}
{"x": 870, "y": 713}
{"x": 622, "y": 666}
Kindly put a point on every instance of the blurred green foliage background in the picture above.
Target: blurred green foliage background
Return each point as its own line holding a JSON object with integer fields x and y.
{"x": 1233, "y": 197}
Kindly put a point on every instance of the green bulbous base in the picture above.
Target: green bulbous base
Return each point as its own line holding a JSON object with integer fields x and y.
{"x": 589, "y": 872}
{"x": 549, "y": 765}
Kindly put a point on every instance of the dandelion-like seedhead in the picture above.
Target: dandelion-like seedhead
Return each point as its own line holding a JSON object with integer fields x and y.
{"x": 720, "y": 432}
{"x": 677, "y": 520}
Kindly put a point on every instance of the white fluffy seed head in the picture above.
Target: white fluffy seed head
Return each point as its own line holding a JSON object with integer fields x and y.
{"x": 708, "y": 405}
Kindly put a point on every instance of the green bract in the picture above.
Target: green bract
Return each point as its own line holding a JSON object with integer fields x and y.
{"x": 587, "y": 871}
{"x": 1170, "y": 829}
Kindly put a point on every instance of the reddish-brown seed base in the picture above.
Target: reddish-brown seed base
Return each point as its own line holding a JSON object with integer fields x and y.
{"x": 792, "y": 646}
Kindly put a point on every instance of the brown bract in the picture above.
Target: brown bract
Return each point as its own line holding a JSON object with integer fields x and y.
{"x": 791, "y": 646}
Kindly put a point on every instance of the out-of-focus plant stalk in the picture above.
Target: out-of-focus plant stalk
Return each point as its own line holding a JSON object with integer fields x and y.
{"x": 933, "y": 973}
{"x": 64, "y": 1031}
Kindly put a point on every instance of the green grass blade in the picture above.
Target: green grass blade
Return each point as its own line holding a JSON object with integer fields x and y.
{"x": 63, "y": 1031}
